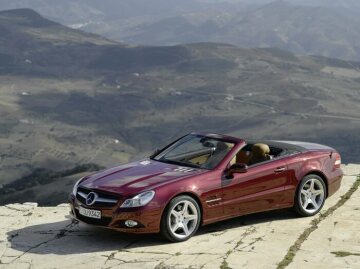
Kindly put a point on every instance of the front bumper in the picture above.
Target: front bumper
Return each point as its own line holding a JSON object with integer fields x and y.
{"x": 147, "y": 217}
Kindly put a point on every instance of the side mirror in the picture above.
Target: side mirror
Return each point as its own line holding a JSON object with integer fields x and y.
{"x": 236, "y": 169}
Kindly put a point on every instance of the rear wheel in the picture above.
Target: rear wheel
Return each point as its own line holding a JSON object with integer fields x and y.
{"x": 181, "y": 219}
{"x": 310, "y": 195}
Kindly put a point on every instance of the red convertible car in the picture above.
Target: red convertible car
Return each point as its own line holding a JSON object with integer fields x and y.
{"x": 203, "y": 178}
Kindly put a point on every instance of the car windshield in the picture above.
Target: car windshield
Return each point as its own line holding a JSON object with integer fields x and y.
{"x": 196, "y": 151}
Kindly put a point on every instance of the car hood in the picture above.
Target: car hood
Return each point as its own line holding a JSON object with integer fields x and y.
{"x": 137, "y": 176}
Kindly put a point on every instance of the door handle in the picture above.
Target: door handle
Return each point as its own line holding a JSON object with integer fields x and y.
{"x": 280, "y": 169}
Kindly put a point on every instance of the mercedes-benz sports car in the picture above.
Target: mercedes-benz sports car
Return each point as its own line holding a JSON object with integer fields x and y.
{"x": 203, "y": 178}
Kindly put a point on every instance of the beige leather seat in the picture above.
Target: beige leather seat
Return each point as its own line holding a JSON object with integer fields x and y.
{"x": 259, "y": 153}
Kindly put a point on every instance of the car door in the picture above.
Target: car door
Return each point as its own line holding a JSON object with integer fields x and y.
{"x": 211, "y": 196}
{"x": 260, "y": 188}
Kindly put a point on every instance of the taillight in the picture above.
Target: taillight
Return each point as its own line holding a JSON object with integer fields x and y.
{"x": 337, "y": 163}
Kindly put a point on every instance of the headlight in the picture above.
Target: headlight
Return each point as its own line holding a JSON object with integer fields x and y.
{"x": 76, "y": 186}
{"x": 139, "y": 200}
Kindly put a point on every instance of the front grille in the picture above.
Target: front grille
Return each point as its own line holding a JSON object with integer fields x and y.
{"x": 103, "y": 199}
{"x": 104, "y": 221}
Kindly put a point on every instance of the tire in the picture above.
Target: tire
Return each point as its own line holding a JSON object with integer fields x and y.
{"x": 310, "y": 196}
{"x": 181, "y": 211}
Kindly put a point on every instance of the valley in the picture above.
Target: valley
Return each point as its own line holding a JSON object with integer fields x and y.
{"x": 81, "y": 100}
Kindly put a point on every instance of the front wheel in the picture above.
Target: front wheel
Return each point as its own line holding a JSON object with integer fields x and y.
{"x": 310, "y": 195}
{"x": 181, "y": 219}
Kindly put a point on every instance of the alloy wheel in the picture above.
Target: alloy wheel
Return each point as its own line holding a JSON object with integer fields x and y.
{"x": 312, "y": 195}
{"x": 183, "y": 219}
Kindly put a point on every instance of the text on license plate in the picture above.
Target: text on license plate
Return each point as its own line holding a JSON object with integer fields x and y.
{"x": 95, "y": 214}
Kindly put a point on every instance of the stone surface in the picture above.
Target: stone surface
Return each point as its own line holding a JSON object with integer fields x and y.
{"x": 36, "y": 237}
{"x": 336, "y": 241}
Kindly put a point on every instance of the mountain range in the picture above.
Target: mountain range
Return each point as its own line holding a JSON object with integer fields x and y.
{"x": 319, "y": 27}
{"x": 73, "y": 102}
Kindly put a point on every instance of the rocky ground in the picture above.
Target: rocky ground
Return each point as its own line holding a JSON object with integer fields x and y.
{"x": 44, "y": 237}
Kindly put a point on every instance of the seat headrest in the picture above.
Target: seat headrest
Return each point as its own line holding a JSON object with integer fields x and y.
{"x": 260, "y": 150}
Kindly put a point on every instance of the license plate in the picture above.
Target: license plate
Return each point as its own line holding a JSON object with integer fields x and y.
{"x": 90, "y": 213}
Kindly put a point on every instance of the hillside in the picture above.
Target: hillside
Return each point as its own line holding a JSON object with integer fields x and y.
{"x": 319, "y": 27}
{"x": 24, "y": 25}
{"x": 68, "y": 107}
{"x": 300, "y": 29}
